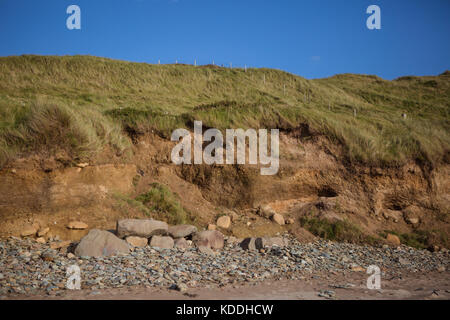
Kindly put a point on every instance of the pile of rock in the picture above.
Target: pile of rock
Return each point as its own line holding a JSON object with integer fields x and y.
{"x": 140, "y": 233}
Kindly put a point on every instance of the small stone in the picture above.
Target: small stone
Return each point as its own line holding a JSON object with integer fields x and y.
{"x": 212, "y": 227}
{"x": 59, "y": 245}
{"x": 41, "y": 240}
{"x": 234, "y": 216}
{"x": 224, "y": 222}
{"x": 47, "y": 256}
{"x": 137, "y": 241}
{"x": 393, "y": 239}
{"x": 71, "y": 256}
{"x": 290, "y": 221}
{"x": 179, "y": 287}
{"x": 42, "y": 232}
{"x": 358, "y": 269}
{"x": 441, "y": 269}
{"x": 266, "y": 211}
{"x": 278, "y": 218}
{"x": 29, "y": 230}
{"x": 77, "y": 225}
{"x": 82, "y": 165}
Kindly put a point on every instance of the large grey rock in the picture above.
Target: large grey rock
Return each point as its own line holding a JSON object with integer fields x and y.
{"x": 99, "y": 243}
{"x": 252, "y": 244}
{"x": 182, "y": 231}
{"x": 212, "y": 239}
{"x": 141, "y": 228}
{"x": 261, "y": 243}
{"x": 162, "y": 242}
{"x": 274, "y": 241}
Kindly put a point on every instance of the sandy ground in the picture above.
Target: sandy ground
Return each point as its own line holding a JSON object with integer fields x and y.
{"x": 412, "y": 286}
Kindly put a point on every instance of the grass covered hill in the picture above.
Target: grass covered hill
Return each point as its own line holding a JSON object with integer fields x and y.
{"x": 81, "y": 104}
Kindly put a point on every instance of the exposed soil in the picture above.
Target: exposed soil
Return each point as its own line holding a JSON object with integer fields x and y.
{"x": 313, "y": 179}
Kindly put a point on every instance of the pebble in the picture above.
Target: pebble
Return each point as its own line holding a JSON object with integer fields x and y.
{"x": 27, "y": 267}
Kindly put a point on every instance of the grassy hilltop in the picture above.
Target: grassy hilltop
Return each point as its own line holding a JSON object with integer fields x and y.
{"x": 81, "y": 104}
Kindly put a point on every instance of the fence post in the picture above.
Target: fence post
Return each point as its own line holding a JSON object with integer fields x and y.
{"x": 195, "y": 62}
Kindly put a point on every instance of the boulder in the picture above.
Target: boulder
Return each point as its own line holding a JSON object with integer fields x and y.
{"x": 141, "y": 228}
{"x": 162, "y": 242}
{"x": 252, "y": 244}
{"x": 181, "y": 231}
{"x": 137, "y": 241}
{"x": 212, "y": 239}
{"x": 278, "y": 218}
{"x": 77, "y": 225}
{"x": 99, "y": 243}
{"x": 224, "y": 222}
{"x": 181, "y": 243}
{"x": 393, "y": 239}
{"x": 261, "y": 243}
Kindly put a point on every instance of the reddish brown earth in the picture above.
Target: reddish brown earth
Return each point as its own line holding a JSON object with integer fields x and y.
{"x": 52, "y": 191}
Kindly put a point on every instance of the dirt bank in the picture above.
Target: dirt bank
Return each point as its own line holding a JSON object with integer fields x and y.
{"x": 314, "y": 180}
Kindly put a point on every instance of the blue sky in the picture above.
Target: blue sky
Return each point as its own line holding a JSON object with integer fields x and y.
{"x": 311, "y": 38}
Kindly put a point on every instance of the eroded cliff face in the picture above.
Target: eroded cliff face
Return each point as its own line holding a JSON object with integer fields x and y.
{"x": 313, "y": 180}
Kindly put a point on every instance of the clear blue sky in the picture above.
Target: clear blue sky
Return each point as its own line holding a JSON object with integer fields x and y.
{"x": 311, "y": 38}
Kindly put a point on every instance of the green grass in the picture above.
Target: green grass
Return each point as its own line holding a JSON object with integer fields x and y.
{"x": 342, "y": 231}
{"x": 420, "y": 239}
{"x": 80, "y": 104}
{"x": 162, "y": 201}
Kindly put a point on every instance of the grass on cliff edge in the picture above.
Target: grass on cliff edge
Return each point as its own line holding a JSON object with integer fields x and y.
{"x": 80, "y": 104}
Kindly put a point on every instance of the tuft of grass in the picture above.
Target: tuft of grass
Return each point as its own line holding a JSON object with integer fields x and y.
{"x": 420, "y": 239}
{"x": 162, "y": 201}
{"x": 50, "y": 128}
{"x": 342, "y": 231}
{"x": 84, "y": 103}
